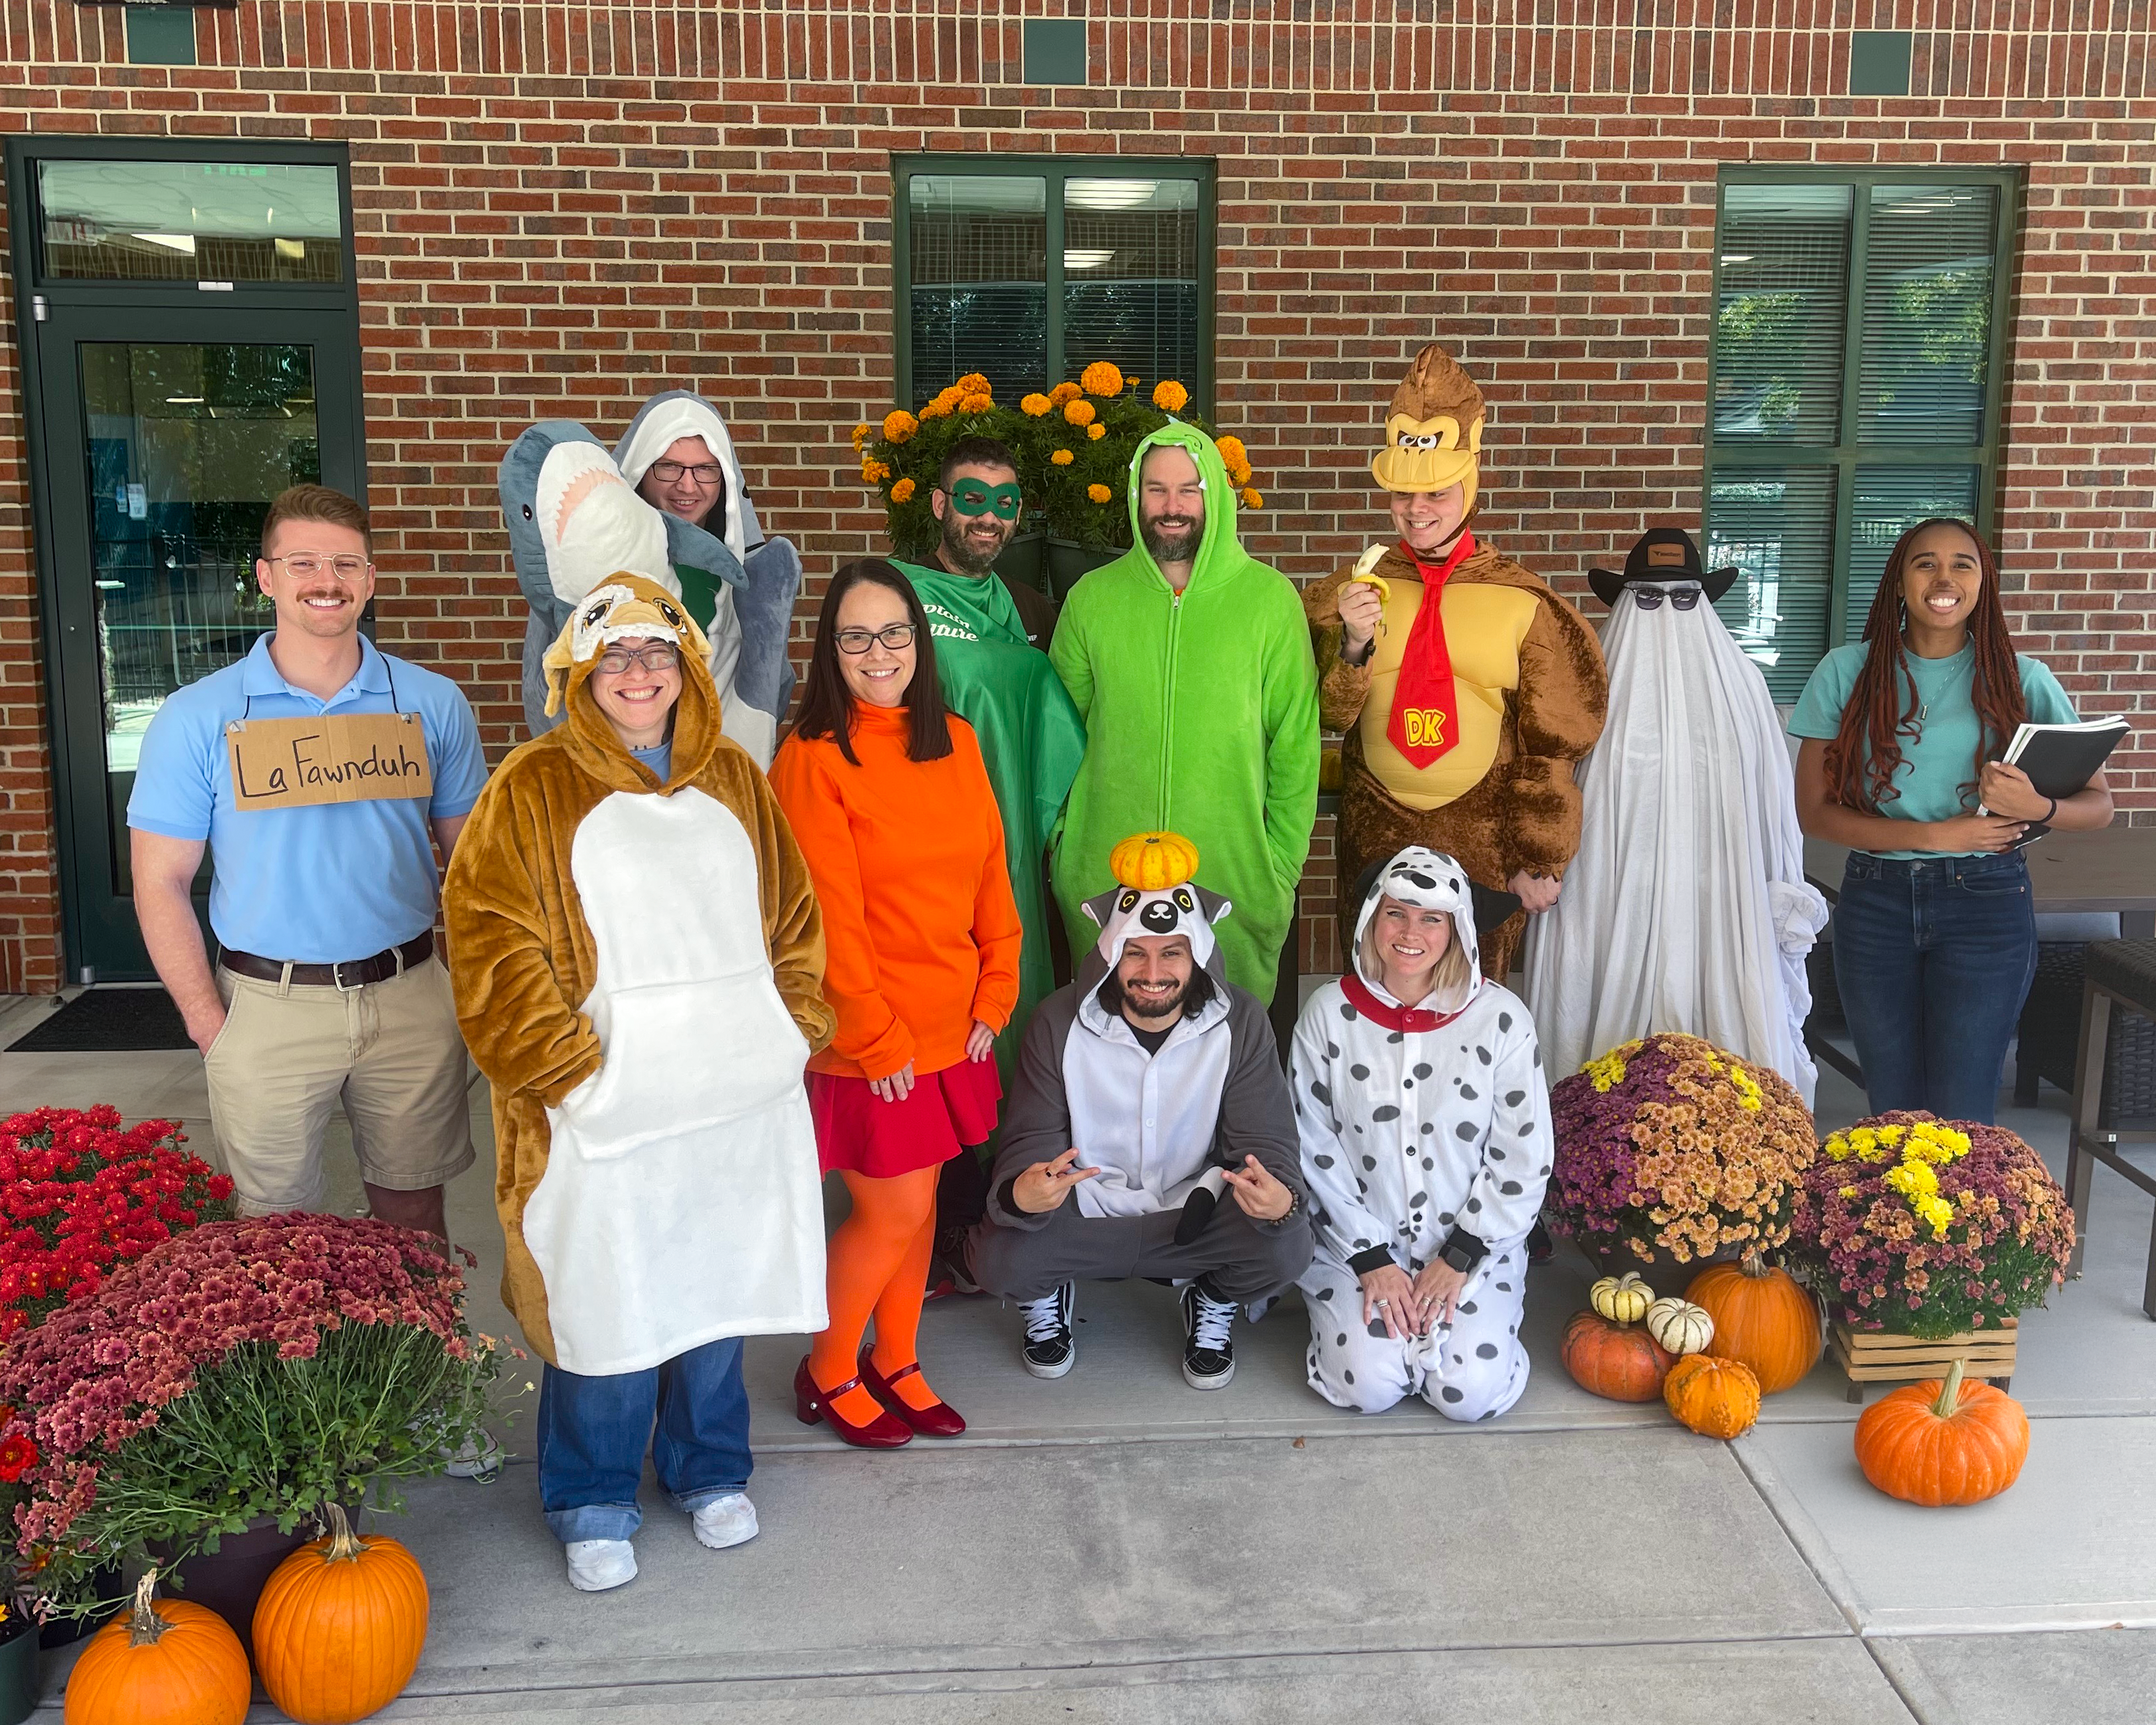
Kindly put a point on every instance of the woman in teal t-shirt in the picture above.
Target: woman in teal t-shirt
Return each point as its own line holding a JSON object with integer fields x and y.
{"x": 1934, "y": 933}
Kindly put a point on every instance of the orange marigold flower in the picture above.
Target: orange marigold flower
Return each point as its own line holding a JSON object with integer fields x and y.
{"x": 977, "y": 403}
{"x": 861, "y": 437}
{"x": 1035, "y": 406}
{"x": 936, "y": 409}
{"x": 1063, "y": 392}
{"x": 1170, "y": 396}
{"x": 899, "y": 426}
{"x": 1099, "y": 494}
{"x": 1232, "y": 451}
{"x": 1097, "y": 431}
{"x": 1241, "y": 473}
{"x": 874, "y": 472}
{"x": 972, "y": 383}
{"x": 1251, "y": 500}
{"x": 1101, "y": 378}
{"x": 902, "y": 490}
{"x": 1079, "y": 412}
{"x": 1062, "y": 458}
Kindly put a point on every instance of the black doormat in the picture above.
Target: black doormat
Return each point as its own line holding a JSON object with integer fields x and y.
{"x": 108, "y": 1020}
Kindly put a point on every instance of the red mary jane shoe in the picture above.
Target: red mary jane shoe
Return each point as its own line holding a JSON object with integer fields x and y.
{"x": 940, "y": 1420}
{"x": 811, "y": 1404}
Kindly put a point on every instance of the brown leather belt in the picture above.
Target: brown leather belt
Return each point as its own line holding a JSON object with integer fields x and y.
{"x": 349, "y": 973}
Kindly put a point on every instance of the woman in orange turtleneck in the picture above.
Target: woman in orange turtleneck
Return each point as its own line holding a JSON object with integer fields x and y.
{"x": 891, "y": 806}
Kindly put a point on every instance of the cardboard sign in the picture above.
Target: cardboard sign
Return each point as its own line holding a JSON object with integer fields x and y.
{"x": 338, "y": 758}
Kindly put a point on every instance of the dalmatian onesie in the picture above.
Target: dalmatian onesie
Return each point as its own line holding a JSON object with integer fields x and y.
{"x": 1420, "y": 1127}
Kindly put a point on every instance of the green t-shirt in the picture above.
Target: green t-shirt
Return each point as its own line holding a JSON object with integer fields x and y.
{"x": 1940, "y": 757}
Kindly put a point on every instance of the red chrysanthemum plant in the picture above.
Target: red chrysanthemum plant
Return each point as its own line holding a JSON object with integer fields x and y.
{"x": 80, "y": 1195}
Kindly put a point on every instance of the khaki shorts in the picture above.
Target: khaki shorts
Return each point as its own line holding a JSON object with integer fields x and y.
{"x": 391, "y": 1052}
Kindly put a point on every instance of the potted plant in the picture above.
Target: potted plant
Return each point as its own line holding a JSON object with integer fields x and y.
{"x": 1918, "y": 1230}
{"x": 22, "y": 1604}
{"x": 223, "y": 1389}
{"x": 1670, "y": 1149}
{"x": 80, "y": 1195}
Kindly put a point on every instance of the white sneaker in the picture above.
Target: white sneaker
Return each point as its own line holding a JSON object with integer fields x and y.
{"x": 596, "y": 1564}
{"x": 726, "y": 1521}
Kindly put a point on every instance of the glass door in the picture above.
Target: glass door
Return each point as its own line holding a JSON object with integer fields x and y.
{"x": 165, "y": 435}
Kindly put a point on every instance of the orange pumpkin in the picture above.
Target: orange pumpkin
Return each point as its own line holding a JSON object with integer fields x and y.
{"x": 1936, "y": 1443}
{"x": 167, "y": 1662}
{"x": 1620, "y": 1361}
{"x": 338, "y": 1630}
{"x": 1715, "y": 1397}
{"x": 1153, "y": 862}
{"x": 1762, "y": 1317}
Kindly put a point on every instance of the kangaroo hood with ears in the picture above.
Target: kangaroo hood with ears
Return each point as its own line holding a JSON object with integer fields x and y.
{"x": 1430, "y": 881}
{"x": 624, "y": 607}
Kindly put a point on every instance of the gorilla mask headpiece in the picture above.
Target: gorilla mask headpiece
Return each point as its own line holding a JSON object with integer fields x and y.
{"x": 1434, "y": 433}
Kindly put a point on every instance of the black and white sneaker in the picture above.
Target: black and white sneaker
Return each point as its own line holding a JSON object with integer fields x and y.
{"x": 1208, "y": 1353}
{"x": 1051, "y": 1348}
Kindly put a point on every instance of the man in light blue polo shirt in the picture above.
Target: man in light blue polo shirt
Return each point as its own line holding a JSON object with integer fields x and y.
{"x": 326, "y": 988}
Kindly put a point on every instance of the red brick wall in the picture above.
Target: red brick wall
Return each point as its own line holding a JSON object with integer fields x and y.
{"x": 562, "y": 207}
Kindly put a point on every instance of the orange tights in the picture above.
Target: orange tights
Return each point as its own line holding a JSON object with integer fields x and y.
{"x": 876, "y": 1265}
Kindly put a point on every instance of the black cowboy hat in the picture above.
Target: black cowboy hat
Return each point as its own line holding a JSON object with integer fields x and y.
{"x": 1641, "y": 564}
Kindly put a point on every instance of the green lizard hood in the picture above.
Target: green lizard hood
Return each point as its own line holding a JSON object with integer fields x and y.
{"x": 1218, "y": 549}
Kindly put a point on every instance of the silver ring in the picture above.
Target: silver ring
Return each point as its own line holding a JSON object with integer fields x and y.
{"x": 1384, "y": 1302}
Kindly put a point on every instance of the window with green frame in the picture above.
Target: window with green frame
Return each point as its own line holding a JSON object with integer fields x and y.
{"x": 1859, "y": 354}
{"x": 1027, "y": 269}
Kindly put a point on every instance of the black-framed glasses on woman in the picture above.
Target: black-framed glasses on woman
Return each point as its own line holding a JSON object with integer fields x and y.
{"x": 661, "y": 657}
{"x": 896, "y": 637}
{"x": 1680, "y": 598}
{"x": 705, "y": 473}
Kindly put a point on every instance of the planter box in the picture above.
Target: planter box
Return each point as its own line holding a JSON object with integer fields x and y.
{"x": 1881, "y": 1356}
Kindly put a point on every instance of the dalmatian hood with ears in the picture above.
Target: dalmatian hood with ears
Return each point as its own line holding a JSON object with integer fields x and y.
{"x": 1430, "y": 881}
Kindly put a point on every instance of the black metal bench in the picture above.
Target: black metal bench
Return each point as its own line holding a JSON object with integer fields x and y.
{"x": 2115, "y": 973}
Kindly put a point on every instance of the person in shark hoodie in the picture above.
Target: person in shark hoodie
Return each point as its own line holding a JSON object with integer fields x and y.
{"x": 1191, "y": 667}
{"x": 573, "y": 521}
{"x": 679, "y": 456}
{"x": 1148, "y": 1089}
{"x": 1425, "y": 1130}
{"x": 638, "y": 958}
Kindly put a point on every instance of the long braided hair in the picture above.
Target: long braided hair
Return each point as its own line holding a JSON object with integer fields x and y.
{"x": 1867, "y": 750}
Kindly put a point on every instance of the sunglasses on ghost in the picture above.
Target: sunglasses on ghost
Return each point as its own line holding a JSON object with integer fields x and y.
{"x": 1650, "y": 598}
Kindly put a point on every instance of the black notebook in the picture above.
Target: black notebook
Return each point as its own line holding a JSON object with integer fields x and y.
{"x": 2062, "y": 759}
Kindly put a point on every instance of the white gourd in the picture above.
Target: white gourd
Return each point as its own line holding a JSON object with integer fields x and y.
{"x": 1680, "y": 1326}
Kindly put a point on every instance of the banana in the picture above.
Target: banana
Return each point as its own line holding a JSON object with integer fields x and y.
{"x": 1365, "y": 572}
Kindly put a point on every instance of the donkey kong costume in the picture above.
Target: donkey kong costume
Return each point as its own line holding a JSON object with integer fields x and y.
{"x": 1461, "y": 734}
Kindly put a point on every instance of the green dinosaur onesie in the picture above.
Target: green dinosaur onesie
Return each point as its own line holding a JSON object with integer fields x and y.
{"x": 1201, "y": 718}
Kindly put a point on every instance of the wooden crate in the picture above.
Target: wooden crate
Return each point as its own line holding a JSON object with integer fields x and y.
{"x": 1877, "y": 1357}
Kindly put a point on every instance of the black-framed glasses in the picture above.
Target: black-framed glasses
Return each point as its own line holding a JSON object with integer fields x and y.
{"x": 705, "y": 473}
{"x": 660, "y": 657}
{"x": 305, "y": 565}
{"x": 895, "y": 637}
{"x": 1680, "y": 598}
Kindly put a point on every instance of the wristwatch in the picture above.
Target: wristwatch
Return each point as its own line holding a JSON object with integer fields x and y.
{"x": 1462, "y": 1250}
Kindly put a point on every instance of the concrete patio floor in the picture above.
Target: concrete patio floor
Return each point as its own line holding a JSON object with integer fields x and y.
{"x": 1114, "y": 1547}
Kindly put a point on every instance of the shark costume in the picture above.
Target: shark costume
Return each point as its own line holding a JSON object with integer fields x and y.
{"x": 1425, "y": 1131}
{"x": 1201, "y": 714}
{"x": 574, "y": 520}
{"x": 1462, "y": 722}
{"x": 637, "y": 967}
{"x": 1686, "y": 908}
{"x": 747, "y": 622}
{"x": 1156, "y": 1123}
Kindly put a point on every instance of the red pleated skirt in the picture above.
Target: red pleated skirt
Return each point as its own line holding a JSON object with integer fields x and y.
{"x": 943, "y": 1113}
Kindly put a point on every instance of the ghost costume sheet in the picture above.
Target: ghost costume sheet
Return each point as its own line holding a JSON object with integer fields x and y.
{"x": 1415, "y": 1124}
{"x": 1686, "y": 908}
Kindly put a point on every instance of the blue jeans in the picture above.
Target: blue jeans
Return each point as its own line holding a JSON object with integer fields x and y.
{"x": 593, "y": 1432}
{"x": 1933, "y": 956}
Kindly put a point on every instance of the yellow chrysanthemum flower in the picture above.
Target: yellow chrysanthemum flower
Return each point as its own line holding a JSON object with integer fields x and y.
{"x": 1062, "y": 458}
{"x": 861, "y": 437}
{"x": 899, "y": 425}
{"x": 1848, "y": 1191}
{"x": 901, "y": 492}
{"x": 1251, "y": 500}
{"x": 1063, "y": 392}
{"x": 1099, "y": 493}
{"x": 1035, "y": 406}
{"x": 1097, "y": 431}
{"x": 1913, "y": 1180}
{"x": 1937, "y": 1214}
{"x": 1838, "y": 1149}
{"x": 1890, "y": 1134}
{"x": 1170, "y": 396}
{"x": 1607, "y": 1071}
{"x": 1079, "y": 412}
{"x": 1101, "y": 378}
